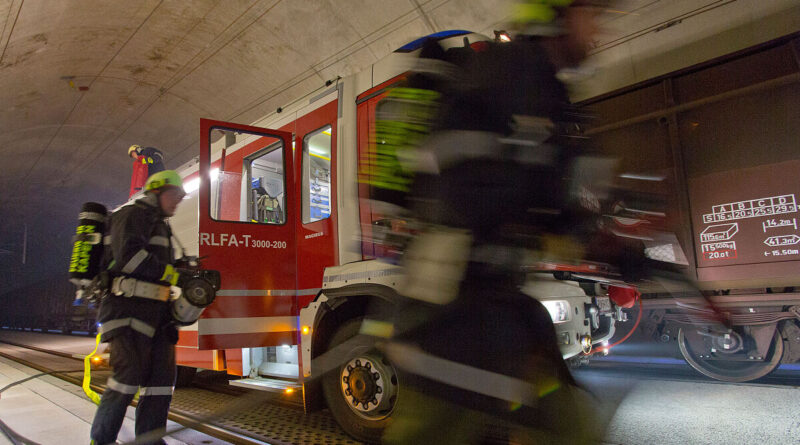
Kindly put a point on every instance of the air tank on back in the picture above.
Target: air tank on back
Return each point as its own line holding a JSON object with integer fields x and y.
{"x": 87, "y": 245}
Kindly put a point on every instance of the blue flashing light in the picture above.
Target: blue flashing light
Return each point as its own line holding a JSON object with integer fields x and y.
{"x": 417, "y": 44}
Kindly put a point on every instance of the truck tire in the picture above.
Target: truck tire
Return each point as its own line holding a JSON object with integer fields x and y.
{"x": 362, "y": 392}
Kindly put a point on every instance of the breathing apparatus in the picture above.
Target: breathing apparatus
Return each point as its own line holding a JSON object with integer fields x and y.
{"x": 87, "y": 250}
{"x": 197, "y": 287}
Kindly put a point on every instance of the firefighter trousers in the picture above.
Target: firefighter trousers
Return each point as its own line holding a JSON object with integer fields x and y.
{"x": 140, "y": 363}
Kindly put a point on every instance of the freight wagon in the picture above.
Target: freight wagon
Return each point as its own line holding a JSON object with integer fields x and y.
{"x": 719, "y": 143}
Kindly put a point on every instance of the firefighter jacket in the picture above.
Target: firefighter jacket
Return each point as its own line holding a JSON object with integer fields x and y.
{"x": 482, "y": 182}
{"x": 149, "y": 162}
{"x": 138, "y": 246}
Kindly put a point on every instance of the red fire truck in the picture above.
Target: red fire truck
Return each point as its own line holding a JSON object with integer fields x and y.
{"x": 275, "y": 207}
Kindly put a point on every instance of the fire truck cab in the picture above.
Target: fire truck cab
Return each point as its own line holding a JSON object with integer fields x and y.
{"x": 275, "y": 207}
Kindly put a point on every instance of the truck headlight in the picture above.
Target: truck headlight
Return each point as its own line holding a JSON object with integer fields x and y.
{"x": 559, "y": 310}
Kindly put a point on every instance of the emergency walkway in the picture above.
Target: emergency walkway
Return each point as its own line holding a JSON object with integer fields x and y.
{"x": 48, "y": 410}
{"x": 233, "y": 414}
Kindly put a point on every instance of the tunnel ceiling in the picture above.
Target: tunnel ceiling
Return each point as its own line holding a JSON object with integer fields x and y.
{"x": 84, "y": 79}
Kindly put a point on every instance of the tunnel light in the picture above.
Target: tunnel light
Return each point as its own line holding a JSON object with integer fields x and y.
{"x": 192, "y": 185}
{"x": 288, "y": 391}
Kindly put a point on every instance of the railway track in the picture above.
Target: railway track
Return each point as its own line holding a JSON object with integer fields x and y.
{"x": 679, "y": 373}
{"x": 235, "y": 415}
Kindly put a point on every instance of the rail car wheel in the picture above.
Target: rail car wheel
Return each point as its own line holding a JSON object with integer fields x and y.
{"x": 733, "y": 371}
{"x": 362, "y": 392}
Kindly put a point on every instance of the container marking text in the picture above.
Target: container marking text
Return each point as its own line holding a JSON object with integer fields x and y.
{"x": 753, "y": 208}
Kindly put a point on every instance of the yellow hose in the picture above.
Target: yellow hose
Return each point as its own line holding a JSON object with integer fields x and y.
{"x": 87, "y": 373}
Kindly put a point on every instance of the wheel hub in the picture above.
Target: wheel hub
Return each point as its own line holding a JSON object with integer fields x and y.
{"x": 363, "y": 385}
{"x": 729, "y": 342}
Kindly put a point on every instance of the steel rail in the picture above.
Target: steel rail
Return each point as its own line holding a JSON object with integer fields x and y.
{"x": 175, "y": 415}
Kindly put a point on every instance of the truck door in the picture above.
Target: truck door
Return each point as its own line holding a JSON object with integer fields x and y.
{"x": 247, "y": 232}
{"x": 315, "y": 160}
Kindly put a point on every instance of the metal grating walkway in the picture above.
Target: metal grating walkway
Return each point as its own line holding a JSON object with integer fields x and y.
{"x": 267, "y": 421}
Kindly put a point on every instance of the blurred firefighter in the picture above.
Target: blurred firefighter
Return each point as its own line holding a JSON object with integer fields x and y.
{"x": 500, "y": 177}
{"x": 403, "y": 119}
{"x": 147, "y": 161}
{"x": 134, "y": 316}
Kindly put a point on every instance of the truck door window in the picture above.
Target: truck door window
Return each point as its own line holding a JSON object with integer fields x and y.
{"x": 255, "y": 195}
{"x": 316, "y": 166}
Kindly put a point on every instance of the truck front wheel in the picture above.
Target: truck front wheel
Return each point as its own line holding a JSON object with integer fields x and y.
{"x": 362, "y": 392}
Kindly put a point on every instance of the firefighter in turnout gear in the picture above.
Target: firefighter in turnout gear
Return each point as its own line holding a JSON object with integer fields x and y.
{"x": 486, "y": 355}
{"x": 147, "y": 161}
{"x": 135, "y": 316}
